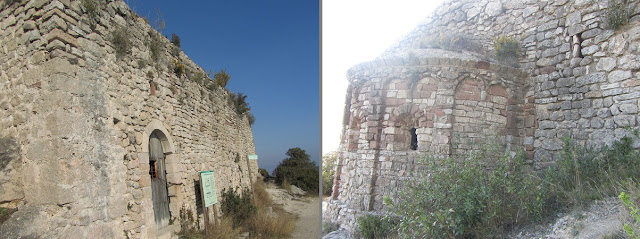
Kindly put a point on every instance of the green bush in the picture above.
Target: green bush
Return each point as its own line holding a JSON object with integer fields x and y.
{"x": 299, "y": 170}
{"x": 373, "y": 226}
{"x": 618, "y": 13}
{"x": 239, "y": 207}
{"x": 453, "y": 42}
{"x": 121, "y": 42}
{"x": 328, "y": 172}
{"x": 507, "y": 49}
{"x": 478, "y": 197}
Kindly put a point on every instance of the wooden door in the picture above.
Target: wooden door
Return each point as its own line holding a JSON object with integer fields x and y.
{"x": 158, "y": 175}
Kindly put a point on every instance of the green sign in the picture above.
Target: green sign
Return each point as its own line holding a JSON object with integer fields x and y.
{"x": 253, "y": 156}
{"x": 208, "y": 188}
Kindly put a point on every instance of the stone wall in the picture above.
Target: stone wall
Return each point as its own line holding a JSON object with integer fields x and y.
{"x": 576, "y": 77}
{"x": 76, "y": 119}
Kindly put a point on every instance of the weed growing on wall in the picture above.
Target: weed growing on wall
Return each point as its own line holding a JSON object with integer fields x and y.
{"x": 121, "y": 42}
{"x": 155, "y": 46}
{"x": 178, "y": 68}
{"x": 618, "y": 14}
{"x": 507, "y": 49}
{"x": 175, "y": 40}
{"x": 222, "y": 78}
{"x": 453, "y": 42}
{"x": 92, "y": 10}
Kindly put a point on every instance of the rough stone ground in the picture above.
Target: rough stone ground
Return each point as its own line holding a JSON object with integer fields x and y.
{"x": 306, "y": 208}
{"x": 603, "y": 219}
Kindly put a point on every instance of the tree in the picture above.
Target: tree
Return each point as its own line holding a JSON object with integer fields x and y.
{"x": 263, "y": 172}
{"x": 299, "y": 170}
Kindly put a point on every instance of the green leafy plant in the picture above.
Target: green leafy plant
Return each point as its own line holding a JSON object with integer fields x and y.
{"x": 121, "y": 42}
{"x": 507, "y": 49}
{"x": 373, "y": 226}
{"x": 633, "y": 232}
{"x": 618, "y": 13}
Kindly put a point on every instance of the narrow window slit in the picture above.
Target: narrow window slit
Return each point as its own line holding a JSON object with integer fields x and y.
{"x": 414, "y": 139}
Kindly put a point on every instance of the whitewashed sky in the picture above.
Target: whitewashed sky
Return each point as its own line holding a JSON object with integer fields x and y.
{"x": 355, "y": 31}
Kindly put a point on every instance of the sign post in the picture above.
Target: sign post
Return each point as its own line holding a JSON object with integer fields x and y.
{"x": 209, "y": 195}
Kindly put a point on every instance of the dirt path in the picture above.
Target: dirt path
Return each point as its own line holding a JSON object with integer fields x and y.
{"x": 306, "y": 208}
{"x": 308, "y": 211}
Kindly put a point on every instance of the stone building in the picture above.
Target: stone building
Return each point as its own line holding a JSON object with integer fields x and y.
{"x": 575, "y": 77}
{"x": 103, "y": 134}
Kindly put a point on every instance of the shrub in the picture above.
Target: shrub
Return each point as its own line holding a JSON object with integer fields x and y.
{"x": 507, "y": 49}
{"x": 121, "y": 42}
{"x": 479, "y": 197}
{"x": 299, "y": 170}
{"x": 188, "y": 226}
{"x": 238, "y": 207}
{"x": 373, "y": 226}
{"x": 328, "y": 227}
{"x": 618, "y": 13}
{"x": 222, "y": 78}
{"x": 178, "y": 68}
{"x": 175, "y": 39}
{"x": 263, "y": 172}
{"x": 453, "y": 42}
{"x": 585, "y": 174}
{"x": 328, "y": 172}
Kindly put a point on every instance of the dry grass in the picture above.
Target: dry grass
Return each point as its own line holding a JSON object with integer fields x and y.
{"x": 260, "y": 195}
{"x": 276, "y": 225}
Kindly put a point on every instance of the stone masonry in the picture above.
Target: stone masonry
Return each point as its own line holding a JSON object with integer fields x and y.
{"x": 575, "y": 77}
{"x": 75, "y": 122}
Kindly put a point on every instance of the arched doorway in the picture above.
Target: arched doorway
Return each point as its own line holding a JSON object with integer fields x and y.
{"x": 157, "y": 171}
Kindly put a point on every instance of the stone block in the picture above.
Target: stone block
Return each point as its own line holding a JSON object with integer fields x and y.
{"x": 619, "y": 75}
{"x": 606, "y": 64}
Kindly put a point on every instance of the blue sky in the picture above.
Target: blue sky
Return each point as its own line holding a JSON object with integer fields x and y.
{"x": 271, "y": 50}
